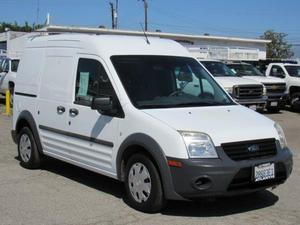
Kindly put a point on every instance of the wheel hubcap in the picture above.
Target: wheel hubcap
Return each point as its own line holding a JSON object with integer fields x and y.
{"x": 139, "y": 182}
{"x": 25, "y": 147}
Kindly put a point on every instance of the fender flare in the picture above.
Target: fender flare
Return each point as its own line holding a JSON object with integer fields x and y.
{"x": 156, "y": 152}
{"x": 27, "y": 116}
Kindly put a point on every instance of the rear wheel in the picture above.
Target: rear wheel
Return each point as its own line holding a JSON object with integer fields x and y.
{"x": 27, "y": 148}
{"x": 143, "y": 185}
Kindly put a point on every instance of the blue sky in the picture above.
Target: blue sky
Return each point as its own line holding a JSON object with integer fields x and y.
{"x": 216, "y": 17}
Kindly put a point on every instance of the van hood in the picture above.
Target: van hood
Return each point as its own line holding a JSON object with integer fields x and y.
{"x": 229, "y": 82}
{"x": 222, "y": 123}
{"x": 266, "y": 80}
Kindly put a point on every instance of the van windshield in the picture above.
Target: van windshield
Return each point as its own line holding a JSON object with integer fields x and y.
{"x": 168, "y": 82}
{"x": 218, "y": 69}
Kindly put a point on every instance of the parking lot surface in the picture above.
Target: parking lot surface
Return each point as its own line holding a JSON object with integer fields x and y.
{"x": 60, "y": 193}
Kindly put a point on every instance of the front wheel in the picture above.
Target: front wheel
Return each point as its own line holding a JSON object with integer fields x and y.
{"x": 143, "y": 185}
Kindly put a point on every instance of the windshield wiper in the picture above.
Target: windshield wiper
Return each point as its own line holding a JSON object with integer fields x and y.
{"x": 206, "y": 103}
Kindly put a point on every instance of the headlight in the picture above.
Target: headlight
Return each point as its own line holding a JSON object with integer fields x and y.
{"x": 228, "y": 89}
{"x": 281, "y": 135}
{"x": 264, "y": 90}
{"x": 199, "y": 145}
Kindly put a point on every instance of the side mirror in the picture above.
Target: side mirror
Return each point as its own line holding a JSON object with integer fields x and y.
{"x": 187, "y": 77}
{"x": 102, "y": 103}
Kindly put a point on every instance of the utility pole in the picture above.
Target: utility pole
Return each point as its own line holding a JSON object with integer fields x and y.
{"x": 37, "y": 12}
{"x": 146, "y": 14}
{"x": 112, "y": 15}
{"x": 116, "y": 14}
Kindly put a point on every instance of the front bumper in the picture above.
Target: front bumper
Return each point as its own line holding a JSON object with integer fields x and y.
{"x": 223, "y": 176}
{"x": 279, "y": 100}
{"x": 260, "y": 102}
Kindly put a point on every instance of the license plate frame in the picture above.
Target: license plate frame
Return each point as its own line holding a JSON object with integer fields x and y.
{"x": 253, "y": 107}
{"x": 274, "y": 104}
{"x": 264, "y": 172}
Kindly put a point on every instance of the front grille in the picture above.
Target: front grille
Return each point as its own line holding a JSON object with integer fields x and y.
{"x": 248, "y": 91}
{"x": 250, "y": 149}
{"x": 243, "y": 179}
{"x": 275, "y": 88}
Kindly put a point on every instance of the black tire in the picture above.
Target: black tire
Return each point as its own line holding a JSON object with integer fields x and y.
{"x": 32, "y": 160}
{"x": 295, "y": 101}
{"x": 155, "y": 201}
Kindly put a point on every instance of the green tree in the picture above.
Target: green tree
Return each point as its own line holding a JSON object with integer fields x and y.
{"x": 279, "y": 48}
{"x": 16, "y": 27}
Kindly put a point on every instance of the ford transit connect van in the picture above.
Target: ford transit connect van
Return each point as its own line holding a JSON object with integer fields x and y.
{"x": 145, "y": 113}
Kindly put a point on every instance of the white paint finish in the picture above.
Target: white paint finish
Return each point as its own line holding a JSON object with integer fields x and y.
{"x": 290, "y": 81}
{"x": 222, "y": 123}
{"x": 91, "y": 123}
{"x": 265, "y": 80}
{"x": 136, "y": 121}
{"x": 228, "y": 82}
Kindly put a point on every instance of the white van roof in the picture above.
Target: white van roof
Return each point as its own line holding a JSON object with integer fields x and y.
{"x": 109, "y": 45}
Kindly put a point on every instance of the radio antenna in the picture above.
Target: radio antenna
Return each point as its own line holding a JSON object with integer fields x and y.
{"x": 147, "y": 40}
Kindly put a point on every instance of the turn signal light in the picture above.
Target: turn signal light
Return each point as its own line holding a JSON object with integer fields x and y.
{"x": 174, "y": 163}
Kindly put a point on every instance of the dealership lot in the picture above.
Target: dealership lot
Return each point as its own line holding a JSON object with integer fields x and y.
{"x": 63, "y": 194}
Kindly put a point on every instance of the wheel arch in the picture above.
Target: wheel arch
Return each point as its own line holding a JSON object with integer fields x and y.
{"x": 294, "y": 89}
{"x": 143, "y": 143}
{"x": 26, "y": 119}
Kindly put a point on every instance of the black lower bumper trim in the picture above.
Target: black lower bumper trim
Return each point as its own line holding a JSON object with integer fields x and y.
{"x": 225, "y": 177}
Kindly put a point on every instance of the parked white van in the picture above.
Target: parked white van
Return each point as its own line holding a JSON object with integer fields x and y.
{"x": 124, "y": 107}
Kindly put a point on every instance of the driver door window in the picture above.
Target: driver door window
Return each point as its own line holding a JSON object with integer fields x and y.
{"x": 91, "y": 81}
{"x": 277, "y": 71}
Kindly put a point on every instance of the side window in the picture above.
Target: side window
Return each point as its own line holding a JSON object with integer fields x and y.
{"x": 14, "y": 65}
{"x": 6, "y": 65}
{"x": 91, "y": 81}
{"x": 277, "y": 71}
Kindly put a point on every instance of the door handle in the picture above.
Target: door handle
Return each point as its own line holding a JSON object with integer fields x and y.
{"x": 60, "y": 109}
{"x": 73, "y": 112}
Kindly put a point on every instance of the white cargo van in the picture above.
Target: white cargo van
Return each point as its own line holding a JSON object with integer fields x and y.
{"x": 145, "y": 113}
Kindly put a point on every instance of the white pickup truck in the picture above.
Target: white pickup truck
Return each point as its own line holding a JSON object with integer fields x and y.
{"x": 8, "y": 71}
{"x": 247, "y": 92}
{"x": 275, "y": 87}
{"x": 290, "y": 73}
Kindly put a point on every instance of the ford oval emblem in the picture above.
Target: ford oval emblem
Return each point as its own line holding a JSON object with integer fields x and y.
{"x": 253, "y": 148}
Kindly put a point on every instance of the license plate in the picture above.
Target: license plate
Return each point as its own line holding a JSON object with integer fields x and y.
{"x": 264, "y": 172}
{"x": 253, "y": 107}
{"x": 274, "y": 103}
